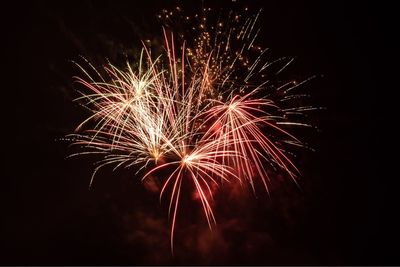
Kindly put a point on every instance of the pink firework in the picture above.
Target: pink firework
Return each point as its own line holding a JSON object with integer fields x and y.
{"x": 188, "y": 115}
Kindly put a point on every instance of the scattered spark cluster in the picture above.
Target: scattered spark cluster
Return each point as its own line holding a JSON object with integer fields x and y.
{"x": 200, "y": 113}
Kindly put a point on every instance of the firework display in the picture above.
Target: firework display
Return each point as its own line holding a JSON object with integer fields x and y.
{"x": 203, "y": 112}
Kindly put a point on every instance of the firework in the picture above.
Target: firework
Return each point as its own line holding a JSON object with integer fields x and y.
{"x": 194, "y": 113}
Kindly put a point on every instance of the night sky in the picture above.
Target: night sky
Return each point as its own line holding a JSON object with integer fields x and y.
{"x": 48, "y": 215}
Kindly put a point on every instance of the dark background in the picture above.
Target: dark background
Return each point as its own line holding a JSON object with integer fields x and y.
{"x": 342, "y": 216}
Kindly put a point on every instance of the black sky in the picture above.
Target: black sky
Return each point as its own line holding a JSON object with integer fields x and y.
{"x": 50, "y": 217}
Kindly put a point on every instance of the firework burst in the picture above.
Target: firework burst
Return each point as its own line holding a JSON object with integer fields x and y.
{"x": 194, "y": 113}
